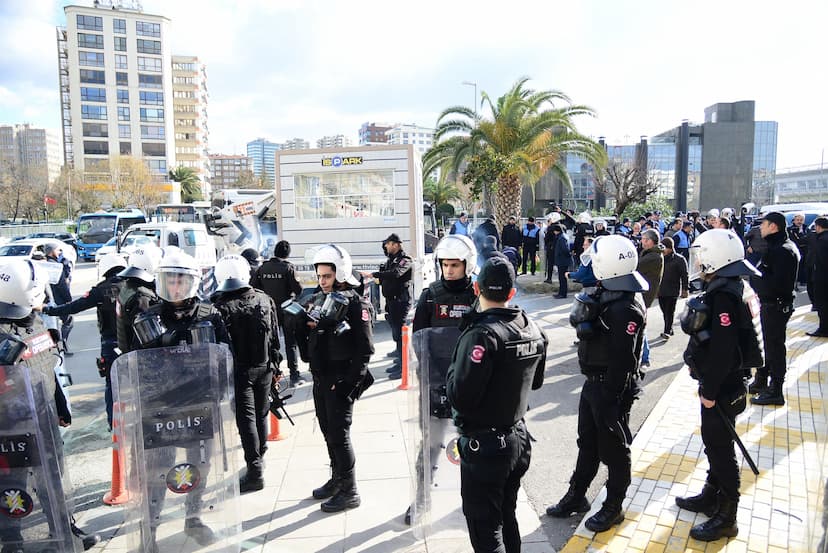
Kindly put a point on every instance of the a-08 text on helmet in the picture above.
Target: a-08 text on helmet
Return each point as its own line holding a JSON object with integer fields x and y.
{"x": 457, "y": 246}
{"x": 22, "y": 287}
{"x": 614, "y": 261}
{"x": 331, "y": 254}
{"x": 143, "y": 263}
{"x": 232, "y": 273}
{"x": 716, "y": 250}
{"x": 178, "y": 277}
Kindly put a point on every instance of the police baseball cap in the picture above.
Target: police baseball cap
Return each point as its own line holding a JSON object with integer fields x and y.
{"x": 393, "y": 237}
{"x": 497, "y": 275}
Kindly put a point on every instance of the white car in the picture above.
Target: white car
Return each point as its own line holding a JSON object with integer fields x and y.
{"x": 29, "y": 246}
{"x": 130, "y": 244}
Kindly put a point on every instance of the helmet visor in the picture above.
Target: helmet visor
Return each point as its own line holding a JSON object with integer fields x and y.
{"x": 695, "y": 268}
{"x": 175, "y": 286}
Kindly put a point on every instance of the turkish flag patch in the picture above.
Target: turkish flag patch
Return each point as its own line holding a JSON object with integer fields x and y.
{"x": 724, "y": 319}
{"x": 631, "y": 327}
{"x": 477, "y": 354}
{"x": 365, "y": 315}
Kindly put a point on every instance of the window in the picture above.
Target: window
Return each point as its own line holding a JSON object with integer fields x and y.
{"x": 123, "y": 113}
{"x": 120, "y": 62}
{"x": 90, "y": 23}
{"x": 123, "y": 131}
{"x": 92, "y": 76}
{"x": 90, "y": 59}
{"x": 123, "y": 96}
{"x": 96, "y": 130}
{"x": 153, "y": 149}
{"x": 149, "y": 81}
{"x": 152, "y": 132}
{"x": 93, "y": 112}
{"x": 149, "y": 47}
{"x": 185, "y": 109}
{"x": 184, "y": 66}
{"x": 149, "y": 64}
{"x": 151, "y": 98}
{"x": 119, "y": 26}
{"x": 157, "y": 165}
{"x": 148, "y": 29}
{"x": 184, "y": 94}
{"x": 120, "y": 44}
{"x": 93, "y": 94}
{"x": 90, "y": 41}
{"x": 184, "y": 80}
{"x": 152, "y": 115}
{"x": 121, "y": 79}
{"x": 344, "y": 195}
{"x": 126, "y": 148}
{"x": 95, "y": 147}
{"x": 185, "y": 122}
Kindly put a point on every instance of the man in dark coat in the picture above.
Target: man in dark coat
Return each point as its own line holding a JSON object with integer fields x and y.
{"x": 511, "y": 235}
{"x": 651, "y": 267}
{"x": 673, "y": 284}
{"x": 486, "y": 228}
{"x": 818, "y": 267}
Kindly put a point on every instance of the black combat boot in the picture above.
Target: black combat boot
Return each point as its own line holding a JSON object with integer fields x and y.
{"x": 328, "y": 489}
{"x": 760, "y": 382}
{"x": 346, "y": 498}
{"x": 772, "y": 395}
{"x": 723, "y": 523}
{"x": 609, "y": 515}
{"x": 252, "y": 481}
{"x": 572, "y": 502}
{"x": 88, "y": 540}
{"x": 706, "y": 502}
{"x": 199, "y": 531}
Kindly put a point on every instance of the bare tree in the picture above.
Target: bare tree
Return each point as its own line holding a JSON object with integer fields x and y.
{"x": 22, "y": 190}
{"x": 626, "y": 183}
{"x": 133, "y": 183}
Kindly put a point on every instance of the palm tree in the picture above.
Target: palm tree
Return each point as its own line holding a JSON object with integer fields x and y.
{"x": 190, "y": 185}
{"x": 440, "y": 192}
{"x": 524, "y": 137}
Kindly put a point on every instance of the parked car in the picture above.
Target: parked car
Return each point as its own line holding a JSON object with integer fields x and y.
{"x": 28, "y": 246}
{"x": 66, "y": 237}
{"x": 129, "y": 244}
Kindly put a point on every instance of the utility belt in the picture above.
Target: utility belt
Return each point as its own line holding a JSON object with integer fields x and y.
{"x": 595, "y": 378}
{"x": 487, "y": 432}
{"x": 784, "y": 305}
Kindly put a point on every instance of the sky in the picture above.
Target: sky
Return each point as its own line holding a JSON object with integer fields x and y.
{"x": 279, "y": 69}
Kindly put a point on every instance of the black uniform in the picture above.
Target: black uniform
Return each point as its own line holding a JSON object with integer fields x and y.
{"x": 103, "y": 296}
{"x": 582, "y": 230}
{"x": 609, "y": 360}
{"x": 136, "y": 297}
{"x": 775, "y": 289}
{"x": 395, "y": 278}
{"x": 339, "y": 362}
{"x": 443, "y": 303}
{"x": 250, "y": 317}
{"x": 277, "y": 278}
{"x": 800, "y": 236}
{"x": 500, "y": 355}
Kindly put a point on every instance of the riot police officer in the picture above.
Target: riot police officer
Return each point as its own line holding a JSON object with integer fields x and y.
{"x": 22, "y": 291}
{"x": 103, "y": 296}
{"x": 501, "y": 353}
{"x": 395, "y": 278}
{"x": 137, "y": 293}
{"x": 182, "y": 318}
{"x": 717, "y": 354}
{"x": 277, "y": 278}
{"x": 250, "y": 317}
{"x": 336, "y": 340}
{"x": 610, "y": 324}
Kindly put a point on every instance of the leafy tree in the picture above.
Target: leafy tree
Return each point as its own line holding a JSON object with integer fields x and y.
{"x": 190, "y": 185}
{"x": 512, "y": 143}
{"x": 440, "y": 192}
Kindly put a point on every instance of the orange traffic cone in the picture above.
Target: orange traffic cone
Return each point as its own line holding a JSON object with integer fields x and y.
{"x": 117, "y": 493}
{"x": 275, "y": 434}
{"x": 406, "y": 340}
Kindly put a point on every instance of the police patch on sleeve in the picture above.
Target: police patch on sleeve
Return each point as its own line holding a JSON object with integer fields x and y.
{"x": 631, "y": 327}
{"x": 724, "y": 319}
{"x": 365, "y": 315}
{"x": 477, "y": 353}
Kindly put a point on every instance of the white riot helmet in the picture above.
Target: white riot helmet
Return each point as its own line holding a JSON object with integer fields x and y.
{"x": 713, "y": 213}
{"x": 232, "y": 272}
{"x": 110, "y": 262}
{"x": 22, "y": 288}
{"x": 143, "y": 263}
{"x": 584, "y": 217}
{"x": 614, "y": 261}
{"x": 719, "y": 251}
{"x": 727, "y": 212}
{"x": 599, "y": 221}
{"x": 332, "y": 254}
{"x": 457, "y": 246}
{"x": 554, "y": 217}
{"x": 178, "y": 276}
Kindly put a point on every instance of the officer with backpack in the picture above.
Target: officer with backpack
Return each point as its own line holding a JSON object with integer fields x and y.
{"x": 250, "y": 317}
{"x": 610, "y": 325}
{"x": 724, "y": 316}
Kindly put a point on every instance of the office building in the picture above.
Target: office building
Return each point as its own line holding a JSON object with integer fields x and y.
{"x": 116, "y": 92}
{"x": 802, "y": 184}
{"x": 262, "y": 154}
{"x": 421, "y": 137}
{"x": 190, "y": 99}
{"x": 296, "y": 144}
{"x": 230, "y": 171}
{"x": 31, "y": 151}
{"x": 373, "y": 133}
{"x": 335, "y": 141}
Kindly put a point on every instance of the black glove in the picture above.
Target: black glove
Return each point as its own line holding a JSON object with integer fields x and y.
{"x": 611, "y": 417}
{"x": 345, "y": 390}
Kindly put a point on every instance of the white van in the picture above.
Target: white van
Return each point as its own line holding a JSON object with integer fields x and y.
{"x": 190, "y": 237}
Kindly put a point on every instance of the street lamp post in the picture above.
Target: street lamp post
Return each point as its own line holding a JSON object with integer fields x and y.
{"x": 474, "y": 105}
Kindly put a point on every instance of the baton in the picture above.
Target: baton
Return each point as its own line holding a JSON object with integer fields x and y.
{"x": 735, "y": 436}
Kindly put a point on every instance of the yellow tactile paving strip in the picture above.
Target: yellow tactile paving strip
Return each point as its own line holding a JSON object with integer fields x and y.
{"x": 780, "y": 510}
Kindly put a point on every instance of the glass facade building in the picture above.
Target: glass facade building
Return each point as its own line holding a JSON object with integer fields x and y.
{"x": 764, "y": 162}
{"x": 262, "y": 154}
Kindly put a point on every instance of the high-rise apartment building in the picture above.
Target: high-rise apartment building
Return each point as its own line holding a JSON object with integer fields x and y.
{"x": 226, "y": 170}
{"x": 421, "y": 137}
{"x": 296, "y": 144}
{"x": 114, "y": 65}
{"x": 25, "y": 148}
{"x": 190, "y": 97}
{"x": 373, "y": 133}
{"x": 262, "y": 154}
{"x": 335, "y": 141}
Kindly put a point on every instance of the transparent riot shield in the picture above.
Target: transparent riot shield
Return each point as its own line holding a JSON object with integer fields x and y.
{"x": 436, "y": 503}
{"x": 34, "y": 512}
{"x": 173, "y": 420}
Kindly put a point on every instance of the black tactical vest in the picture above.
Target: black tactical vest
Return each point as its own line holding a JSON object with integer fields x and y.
{"x": 273, "y": 279}
{"x": 110, "y": 290}
{"x": 132, "y": 300}
{"x": 40, "y": 355}
{"x": 445, "y": 307}
{"x": 593, "y": 353}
